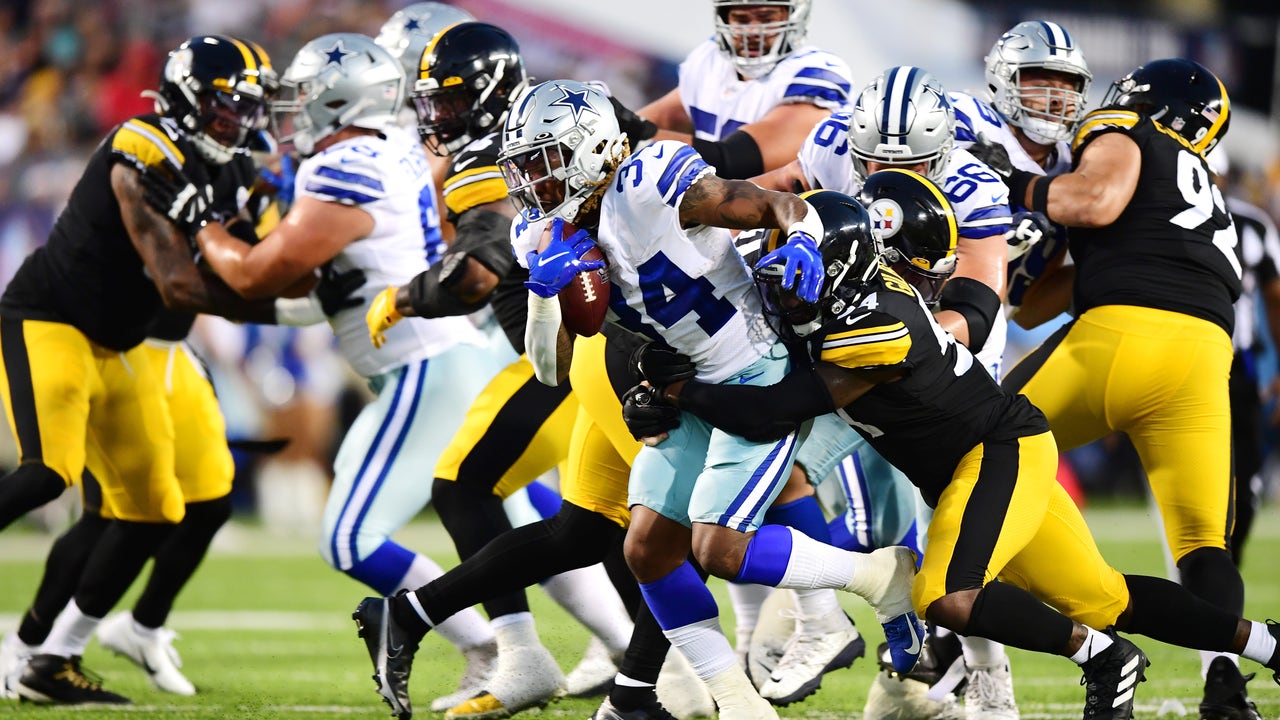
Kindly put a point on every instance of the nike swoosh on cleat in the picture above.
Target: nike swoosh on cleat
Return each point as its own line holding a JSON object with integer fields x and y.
{"x": 915, "y": 637}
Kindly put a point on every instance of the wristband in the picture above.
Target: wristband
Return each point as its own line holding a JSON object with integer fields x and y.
{"x": 810, "y": 224}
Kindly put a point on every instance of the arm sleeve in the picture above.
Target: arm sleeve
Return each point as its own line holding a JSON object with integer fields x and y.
{"x": 760, "y": 414}
{"x": 541, "y": 336}
{"x": 736, "y": 157}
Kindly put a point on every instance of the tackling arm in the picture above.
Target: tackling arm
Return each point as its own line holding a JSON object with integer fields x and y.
{"x": 739, "y": 205}
{"x": 1095, "y": 192}
{"x": 980, "y": 261}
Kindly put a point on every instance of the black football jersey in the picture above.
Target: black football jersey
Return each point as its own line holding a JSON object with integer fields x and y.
{"x": 1173, "y": 246}
{"x": 946, "y": 404}
{"x": 474, "y": 179}
{"x": 89, "y": 274}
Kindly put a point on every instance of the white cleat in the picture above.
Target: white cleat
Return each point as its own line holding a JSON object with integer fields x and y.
{"x": 594, "y": 674}
{"x": 525, "y": 677}
{"x": 809, "y": 656}
{"x": 14, "y": 655}
{"x": 900, "y": 698}
{"x": 681, "y": 691}
{"x": 989, "y": 694}
{"x": 155, "y": 653}
{"x": 775, "y": 627}
{"x": 737, "y": 699}
{"x": 481, "y": 662}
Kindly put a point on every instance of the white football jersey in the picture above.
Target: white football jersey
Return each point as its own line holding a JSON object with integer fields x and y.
{"x": 388, "y": 177}
{"x": 686, "y": 287}
{"x": 976, "y": 117}
{"x": 977, "y": 195}
{"x": 719, "y": 102}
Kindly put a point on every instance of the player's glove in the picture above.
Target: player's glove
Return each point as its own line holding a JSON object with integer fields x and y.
{"x": 661, "y": 366}
{"x": 994, "y": 155}
{"x": 799, "y": 255}
{"x": 556, "y": 266}
{"x": 336, "y": 291}
{"x": 647, "y": 415}
{"x": 382, "y": 315}
{"x": 637, "y": 129}
{"x": 1026, "y": 230}
{"x": 281, "y": 182}
{"x": 184, "y": 201}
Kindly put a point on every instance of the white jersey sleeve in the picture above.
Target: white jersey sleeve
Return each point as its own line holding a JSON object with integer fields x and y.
{"x": 824, "y": 157}
{"x": 976, "y": 117}
{"x": 980, "y": 198}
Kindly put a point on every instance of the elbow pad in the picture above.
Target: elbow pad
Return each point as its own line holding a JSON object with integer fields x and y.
{"x": 736, "y": 157}
{"x": 486, "y": 236}
{"x": 976, "y": 302}
{"x": 430, "y": 297}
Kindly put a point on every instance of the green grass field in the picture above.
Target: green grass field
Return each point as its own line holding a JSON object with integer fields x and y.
{"x": 266, "y": 633}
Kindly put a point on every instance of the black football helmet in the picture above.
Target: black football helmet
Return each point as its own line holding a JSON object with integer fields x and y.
{"x": 915, "y": 226}
{"x": 469, "y": 75}
{"x": 1179, "y": 94}
{"x": 850, "y": 258}
{"x": 217, "y": 88}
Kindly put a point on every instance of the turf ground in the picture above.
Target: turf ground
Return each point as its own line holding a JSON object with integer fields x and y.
{"x": 266, "y": 633}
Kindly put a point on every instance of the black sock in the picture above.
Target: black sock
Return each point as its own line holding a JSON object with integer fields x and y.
{"x": 615, "y": 563}
{"x": 177, "y": 559}
{"x": 116, "y": 562}
{"x": 62, "y": 569}
{"x": 27, "y": 488}
{"x": 1015, "y": 617}
{"x": 572, "y": 538}
{"x": 629, "y": 699}
{"x": 1166, "y": 611}
{"x": 1210, "y": 575}
{"x": 474, "y": 517}
{"x": 643, "y": 659}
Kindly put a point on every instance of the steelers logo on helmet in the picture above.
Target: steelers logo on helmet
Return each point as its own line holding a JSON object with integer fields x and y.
{"x": 886, "y": 218}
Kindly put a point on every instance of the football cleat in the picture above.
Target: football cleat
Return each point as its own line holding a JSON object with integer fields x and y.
{"x": 989, "y": 694}
{"x": 481, "y": 660}
{"x": 1225, "y": 696}
{"x": 51, "y": 679}
{"x": 899, "y": 697}
{"x": 651, "y": 711}
{"x": 681, "y": 691}
{"x": 775, "y": 626}
{"x": 391, "y": 649}
{"x": 594, "y": 674}
{"x": 154, "y": 653}
{"x": 737, "y": 698}
{"x": 14, "y": 655}
{"x": 884, "y": 580}
{"x": 806, "y": 658}
{"x": 1110, "y": 679}
{"x": 526, "y": 676}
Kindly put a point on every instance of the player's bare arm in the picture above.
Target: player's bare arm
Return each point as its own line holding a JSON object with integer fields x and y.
{"x": 739, "y": 205}
{"x": 1048, "y": 297}
{"x": 311, "y": 234}
{"x": 781, "y": 132}
{"x": 788, "y": 178}
{"x": 981, "y": 259}
{"x": 1099, "y": 189}
{"x": 668, "y": 113}
{"x": 168, "y": 259}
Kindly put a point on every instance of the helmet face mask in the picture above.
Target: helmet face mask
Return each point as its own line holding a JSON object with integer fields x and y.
{"x": 902, "y": 119}
{"x": 466, "y": 80}
{"x": 1039, "y": 80}
{"x": 1181, "y": 95}
{"x": 560, "y": 143}
{"x": 756, "y": 47}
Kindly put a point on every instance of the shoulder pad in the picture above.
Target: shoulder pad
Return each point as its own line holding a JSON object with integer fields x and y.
{"x": 1101, "y": 121}
{"x": 670, "y": 166}
{"x": 819, "y": 78}
{"x": 474, "y": 178}
{"x": 146, "y": 142}
{"x": 864, "y": 338}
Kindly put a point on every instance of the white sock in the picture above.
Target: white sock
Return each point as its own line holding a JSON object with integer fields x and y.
{"x": 816, "y": 564}
{"x": 982, "y": 653}
{"x": 747, "y": 599}
{"x": 465, "y": 629}
{"x": 143, "y": 630}
{"x": 70, "y": 632}
{"x": 704, "y": 646}
{"x": 819, "y": 611}
{"x": 625, "y": 681}
{"x": 588, "y": 595}
{"x": 736, "y": 696}
{"x": 515, "y": 631}
{"x": 1261, "y": 646}
{"x": 1094, "y": 643}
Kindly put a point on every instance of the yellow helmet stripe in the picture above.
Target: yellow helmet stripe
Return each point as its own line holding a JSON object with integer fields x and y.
{"x": 264, "y": 60}
{"x": 1217, "y": 124}
{"x": 952, "y": 226}
{"x": 424, "y": 72}
{"x": 250, "y": 63}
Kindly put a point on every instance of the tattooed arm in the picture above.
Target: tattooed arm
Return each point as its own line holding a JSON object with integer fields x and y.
{"x": 167, "y": 256}
{"x": 739, "y": 205}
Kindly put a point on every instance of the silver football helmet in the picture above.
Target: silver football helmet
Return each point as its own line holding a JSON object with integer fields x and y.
{"x": 756, "y": 48}
{"x": 560, "y": 142}
{"x": 1046, "y": 115}
{"x": 406, "y": 34}
{"x": 336, "y": 81}
{"x": 902, "y": 118}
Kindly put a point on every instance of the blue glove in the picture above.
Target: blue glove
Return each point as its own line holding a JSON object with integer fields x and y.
{"x": 282, "y": 181}
{"x": 800, "y": 255}
{"x": 561, "y": 261}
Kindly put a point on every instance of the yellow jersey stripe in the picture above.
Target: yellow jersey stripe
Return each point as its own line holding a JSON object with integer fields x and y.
{"x": 888, "y": 349}
{"x": 268, "y": 221}
{"x": 1097, "y": 119}
{"x": 146, "y": 144}
{"x": 862, "y": 332}
{"x": 460, "y": 198}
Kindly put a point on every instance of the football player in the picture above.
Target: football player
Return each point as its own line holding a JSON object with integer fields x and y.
{"x": 1149, "y": 353}
{"x": 747, "y": 97}
{"x": 83, "y": 390}
{"x": 880, "y": 359}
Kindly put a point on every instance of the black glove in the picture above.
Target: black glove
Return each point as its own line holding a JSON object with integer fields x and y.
{"x": 337, "y": 290}
{"x": 660, "y": 366}
{"x": 637, "y": 129}
{"x": 184, "y": 201}
{"x": 647, "y": 414}
{"x": 994, "y": 155}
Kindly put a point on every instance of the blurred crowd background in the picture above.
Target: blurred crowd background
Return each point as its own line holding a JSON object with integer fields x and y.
{"x": 72, "y": 69}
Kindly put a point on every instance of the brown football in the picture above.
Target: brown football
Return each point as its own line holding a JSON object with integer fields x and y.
{"x": 585, "y": 300}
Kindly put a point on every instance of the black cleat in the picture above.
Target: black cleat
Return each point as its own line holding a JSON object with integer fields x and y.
{"x": 53, "y": 679}
{"x": 1110, "y": 679}
{"x": 391, "y": 649}
{"x": 649, "y": 711}
{"x": 941, "y": 661}
{"x": 1225, "y": 697}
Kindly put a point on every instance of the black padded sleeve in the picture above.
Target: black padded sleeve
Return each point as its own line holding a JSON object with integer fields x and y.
{"x": 736, "y": 157}
{"x": 760, "y": 414}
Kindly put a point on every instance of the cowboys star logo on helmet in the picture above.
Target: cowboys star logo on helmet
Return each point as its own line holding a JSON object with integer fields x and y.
{"x": 576, "y": 101}
{"x": 337, "y": 55}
